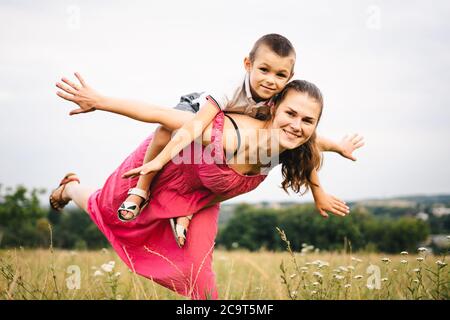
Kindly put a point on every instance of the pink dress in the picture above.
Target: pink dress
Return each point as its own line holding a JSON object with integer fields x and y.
{"x": 147, "y": 244}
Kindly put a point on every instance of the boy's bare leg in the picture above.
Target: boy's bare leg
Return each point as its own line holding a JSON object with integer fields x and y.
{"x": 160, "y": 140}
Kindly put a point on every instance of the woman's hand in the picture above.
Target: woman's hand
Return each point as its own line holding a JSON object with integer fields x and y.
{"x": 328, "y": 203}
{"x": 83, "y": 95}
{"x": 350, "y": 144}
{"x": 149, "y": 167}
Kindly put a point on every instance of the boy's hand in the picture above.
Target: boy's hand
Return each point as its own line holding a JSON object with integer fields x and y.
{"x": 328, "y": 203}
{"x": 149, "y": 167}
{"x": 83, "y": 95}
{"x": 349, "y": 144}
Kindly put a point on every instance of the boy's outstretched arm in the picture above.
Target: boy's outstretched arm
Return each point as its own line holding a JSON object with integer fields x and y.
{"x": 191, "y": 130}
{"x": 345, "y": 147}
{"x": 325, "y": 202}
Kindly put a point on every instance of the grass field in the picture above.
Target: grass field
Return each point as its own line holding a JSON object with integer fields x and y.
{"x": 46, "y": 274}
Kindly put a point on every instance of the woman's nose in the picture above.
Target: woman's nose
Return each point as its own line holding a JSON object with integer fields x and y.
{"x": 296, "y": 124}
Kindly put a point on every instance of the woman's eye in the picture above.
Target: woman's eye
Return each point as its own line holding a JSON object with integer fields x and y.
{"x": 263, "y": 69}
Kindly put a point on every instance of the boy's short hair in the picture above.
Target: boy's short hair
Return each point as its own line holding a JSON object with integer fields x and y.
{"x": 277, "y": 43}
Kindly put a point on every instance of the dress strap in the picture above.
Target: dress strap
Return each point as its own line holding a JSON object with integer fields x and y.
{"x": 217, "y": 134}
{"x": 216, "y": 137}
{"x": 237, "y": 133}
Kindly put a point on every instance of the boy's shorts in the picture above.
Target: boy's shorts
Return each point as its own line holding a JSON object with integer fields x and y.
{"x": 189, "y": 102}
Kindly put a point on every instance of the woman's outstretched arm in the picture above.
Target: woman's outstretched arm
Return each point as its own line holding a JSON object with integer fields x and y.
{"x": 89, "y": 100}
{"x": 345, "y": 147}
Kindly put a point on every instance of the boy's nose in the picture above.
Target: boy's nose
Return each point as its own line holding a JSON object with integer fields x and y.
{"x": 270, "y": 79}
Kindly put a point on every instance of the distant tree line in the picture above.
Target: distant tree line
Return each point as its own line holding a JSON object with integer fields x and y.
{"x": 252, "y": 228}
{"x": 25, "y": 222}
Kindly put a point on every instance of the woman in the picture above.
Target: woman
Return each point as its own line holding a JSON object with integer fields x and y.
{"x": 146, "y": 244}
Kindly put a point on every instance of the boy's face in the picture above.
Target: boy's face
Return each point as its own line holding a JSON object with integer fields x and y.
{"x": 269, "y": 73}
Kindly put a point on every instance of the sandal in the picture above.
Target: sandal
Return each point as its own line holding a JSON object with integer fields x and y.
{"x": 179, "y": 231}
{"x": 58, "y": 203}
{"x": 131, "y": 206}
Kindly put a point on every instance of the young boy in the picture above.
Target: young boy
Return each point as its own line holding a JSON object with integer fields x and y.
{"x": 269, "y": 67}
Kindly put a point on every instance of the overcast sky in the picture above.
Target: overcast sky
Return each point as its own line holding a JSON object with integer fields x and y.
{"x": 383, "y": 67}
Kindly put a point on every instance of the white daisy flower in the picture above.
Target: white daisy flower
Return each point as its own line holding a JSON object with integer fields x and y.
{"x": 107, "y": 267}
{"x": 441, "y": 263}
{"x": 344, "y": 269}
{"x": 403, "y": 261}
{"x": 317, "y": 275}
{"x": 420, "y": 259}
{"x": 386, "y": 260}
{"x": 384, "y": 279}
{"x": 98, "y": 273}
{"x": 357, "y": 277}
{"x": 404, "y": 253}
{"x": 348, "y": 285}
{"x": 422, "y": 249}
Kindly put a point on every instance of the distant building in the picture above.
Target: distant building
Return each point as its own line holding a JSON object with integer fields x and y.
{"x": 440, "y": 211}
{"x": 422, "y": 216}
{"x": 440, "y": 240}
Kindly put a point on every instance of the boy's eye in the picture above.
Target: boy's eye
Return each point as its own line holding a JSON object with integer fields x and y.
{"x": 282, "y": 75}
{"x": 263, "y": 69}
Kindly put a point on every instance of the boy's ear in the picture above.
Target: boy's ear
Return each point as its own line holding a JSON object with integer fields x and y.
{"x": 247, "y": 64}
{"x": 291, "y": 76}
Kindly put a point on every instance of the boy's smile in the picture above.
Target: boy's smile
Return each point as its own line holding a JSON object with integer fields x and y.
{"x": 269, "y": 72}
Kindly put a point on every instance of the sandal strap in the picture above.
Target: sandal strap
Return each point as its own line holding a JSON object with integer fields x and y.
{"x": 180, "y": 230}
{"x": 138, "y": 192}
{"x": 69, "y": 178}
{"x": 130, "y": 207}
{"x": 60, "y": 203}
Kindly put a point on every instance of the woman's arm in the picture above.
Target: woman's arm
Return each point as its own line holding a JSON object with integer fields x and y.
{"x": 89, "y": 100}
{"x": 345, "y": 147}
{"x": 325, "y": 202}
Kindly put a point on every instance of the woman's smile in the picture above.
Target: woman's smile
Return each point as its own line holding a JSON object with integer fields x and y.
{"x": 291, "y": 135}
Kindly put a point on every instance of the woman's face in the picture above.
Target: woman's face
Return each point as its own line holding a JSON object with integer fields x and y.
{"x": 296, "y": 119}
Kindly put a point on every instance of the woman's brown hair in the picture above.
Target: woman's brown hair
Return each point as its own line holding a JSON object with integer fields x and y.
{"x": 297, "y": 164}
